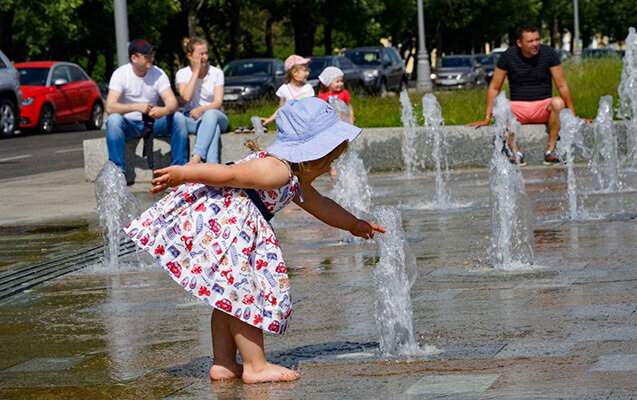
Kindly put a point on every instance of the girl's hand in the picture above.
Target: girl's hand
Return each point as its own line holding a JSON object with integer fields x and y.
{"x": 195, "y": 113}
{"x": 170, "y": 177}
{"x": 366, "y": 229}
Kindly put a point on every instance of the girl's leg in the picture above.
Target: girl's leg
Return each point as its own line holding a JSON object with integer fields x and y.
{"x": 207, "y": 142}
{"x": 225, "y": 365}
{"x": 249, "y": 341}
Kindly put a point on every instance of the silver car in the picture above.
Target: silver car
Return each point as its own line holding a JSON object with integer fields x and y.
{"x": 459, "y": 71}
{"x": 10, "y": 97}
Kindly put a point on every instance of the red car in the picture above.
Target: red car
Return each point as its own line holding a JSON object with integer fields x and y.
{"x": 56, "y": 92}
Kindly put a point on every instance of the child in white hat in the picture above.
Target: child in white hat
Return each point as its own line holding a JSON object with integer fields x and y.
{"x": 213, "y": 236}
{"x": 333, "y": 89}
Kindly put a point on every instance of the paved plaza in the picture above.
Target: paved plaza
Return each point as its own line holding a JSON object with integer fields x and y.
{"x": 565, "y": 328}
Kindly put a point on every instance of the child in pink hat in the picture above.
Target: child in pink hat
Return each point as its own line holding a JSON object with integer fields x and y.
{"x": 296, "y": 86}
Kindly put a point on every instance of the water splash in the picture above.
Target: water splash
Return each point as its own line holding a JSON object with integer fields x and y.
{"x": 115, "y": 207}
{"x": 512, "y": 244}
{"x": 432, "y": 114}
{"x": 341, "y": 108}
{"x": 571, "y": 136}
{"x": 411, "y": 159}
{"x": 627, "y": 91}
{"x": 257, "y": 125}
{"x": 604, "y": 163}
{"x": 394, "y": 275}
{"x": 352, "y": 189}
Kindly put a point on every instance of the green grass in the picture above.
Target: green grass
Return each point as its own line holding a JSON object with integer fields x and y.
{"x": 588, "y": 81}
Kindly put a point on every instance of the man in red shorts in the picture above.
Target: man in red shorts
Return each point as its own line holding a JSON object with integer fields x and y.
{"x": 530, "y": 66}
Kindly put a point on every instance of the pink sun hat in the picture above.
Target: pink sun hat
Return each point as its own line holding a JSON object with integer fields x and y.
{"x": 295, "y": 60}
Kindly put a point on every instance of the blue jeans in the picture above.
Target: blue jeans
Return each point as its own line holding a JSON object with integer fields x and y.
{"x": 208, "y": 129}
{"x": 119, "y": 129}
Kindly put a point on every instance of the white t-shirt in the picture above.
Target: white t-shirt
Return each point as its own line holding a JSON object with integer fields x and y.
{"x": 289, "y": 92}
{"x": 204, "y": 88}
{"x": 135, "y": 89}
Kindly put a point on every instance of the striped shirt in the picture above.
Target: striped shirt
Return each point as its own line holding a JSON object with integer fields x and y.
{"x": 529, "y": 78}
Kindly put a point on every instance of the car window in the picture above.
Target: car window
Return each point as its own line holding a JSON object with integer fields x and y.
{"x": 455, "y": 62}
{"x": 61, "y": 72}
{"x": 395, "y": 56}
{"x": 364, "y": 57}
{"x": 387, "y": 57}
{"x": 33, "y": 76}
{"x": 2, "y": 64}
{"x": 486, "y": 60}
{"x": 77, "y": 74}
{"x": 345, "y": 63}
{"x": 247, "y": 68}
{"x": 317, "y": 66}
{"x": 280, "y": 67}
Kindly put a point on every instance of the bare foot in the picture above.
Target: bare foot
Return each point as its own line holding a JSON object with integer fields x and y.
{"x": 271, "y": 373}
{"x": 195, "y": 159}
{"x": 223, "y": 373}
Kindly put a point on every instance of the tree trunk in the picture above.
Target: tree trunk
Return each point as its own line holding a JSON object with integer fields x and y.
{"x": 6, "y": 32}
{"x": 193, "y": 8}
{"x": 109, "y": 57}
{"x": 304, "y": 29}
{"x": 327, "y": 38}
{"x": 235, "y": 29}
{"x": 92, "y": 60}
{"x": 269, "y": 50}
{"x": 556, "y": 41}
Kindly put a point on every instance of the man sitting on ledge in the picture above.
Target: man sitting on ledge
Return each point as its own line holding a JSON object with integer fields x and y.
{"x": 530, "y": 66}
{"x": 133, "y": 90}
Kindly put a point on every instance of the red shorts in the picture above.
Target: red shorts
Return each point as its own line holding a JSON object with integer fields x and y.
{"x": 531, "y": 112}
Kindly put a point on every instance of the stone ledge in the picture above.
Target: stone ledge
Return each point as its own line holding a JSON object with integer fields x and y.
{"x": 380, "y": 148}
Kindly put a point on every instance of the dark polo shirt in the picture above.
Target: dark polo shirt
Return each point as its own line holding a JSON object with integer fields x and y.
{"x": 529, "y": 78}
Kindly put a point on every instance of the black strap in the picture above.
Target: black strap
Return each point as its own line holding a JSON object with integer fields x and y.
{"x": 256, "y": 199}
{"x": 147, "y": 134}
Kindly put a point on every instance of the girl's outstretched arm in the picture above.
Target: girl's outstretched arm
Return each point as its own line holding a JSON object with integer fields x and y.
{"x": 261, "y": 173}
{"x": 330, "y": 212}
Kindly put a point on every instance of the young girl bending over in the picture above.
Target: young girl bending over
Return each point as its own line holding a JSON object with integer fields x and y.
{"x": 212, "y": 233}
{"x": 333, "y": 88}
{"x": 201, "y": 86}
{"x": 296, "y": 86}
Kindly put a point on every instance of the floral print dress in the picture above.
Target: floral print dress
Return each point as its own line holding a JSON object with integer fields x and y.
{"x": 217, "y": 245}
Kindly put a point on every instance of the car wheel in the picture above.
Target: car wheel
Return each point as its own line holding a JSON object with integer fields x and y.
{"x": 45, "y": 123}
{"x": 7, "y": 118}
{"x": 97, "y": 117}
{"x": 382, "y": 89}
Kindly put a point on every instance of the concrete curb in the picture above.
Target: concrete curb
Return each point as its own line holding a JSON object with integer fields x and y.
{"x": 380, "y": 148}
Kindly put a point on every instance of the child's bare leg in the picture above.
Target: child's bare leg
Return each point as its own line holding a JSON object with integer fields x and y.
{"x": 249, "y": 340}
{"x": 225, "y": 365}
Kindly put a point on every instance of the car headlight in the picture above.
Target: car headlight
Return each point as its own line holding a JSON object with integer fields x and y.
{"x": 370, "y": 74}
{"x": 27, "y": 101}
{"x": 432, "y": 76}
{"x": 248, "y": 90}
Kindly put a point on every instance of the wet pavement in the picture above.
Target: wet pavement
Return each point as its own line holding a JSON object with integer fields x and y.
{"x": 565, "y": 328}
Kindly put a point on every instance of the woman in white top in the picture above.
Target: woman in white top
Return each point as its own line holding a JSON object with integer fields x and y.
{"x": 201, "y": 86}
{"x": 296, "y": 86}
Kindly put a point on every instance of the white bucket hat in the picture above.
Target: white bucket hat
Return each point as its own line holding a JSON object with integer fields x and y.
{"x": 329, "y": 74}
{"x": 308, "y": 129}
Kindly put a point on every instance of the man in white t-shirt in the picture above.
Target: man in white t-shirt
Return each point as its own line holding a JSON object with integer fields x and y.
{"x": 134, "y": 90}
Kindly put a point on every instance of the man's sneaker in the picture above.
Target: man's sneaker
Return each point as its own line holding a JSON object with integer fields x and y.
{"x": 551, "y": 158}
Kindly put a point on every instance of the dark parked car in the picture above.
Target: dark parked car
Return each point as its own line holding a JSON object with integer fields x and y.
{"x": 383, "y": 68}
{"x": 252, "y": 79}
{"x": 352, "y": 75}
{"x": 488, "y": 62}
{"x": 600, "y": 53}
{"x": 459, "y": 71}
{"x": 10, "y": 97}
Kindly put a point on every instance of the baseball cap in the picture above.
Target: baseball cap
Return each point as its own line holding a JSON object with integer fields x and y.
{"x": 308, "y": 129}
{"x": 140, "y": 46}
{"x": 295, "y": 60}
